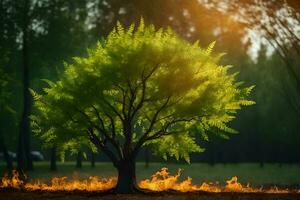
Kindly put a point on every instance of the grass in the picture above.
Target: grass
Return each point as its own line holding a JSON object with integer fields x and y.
{"x": 270, "y": 174}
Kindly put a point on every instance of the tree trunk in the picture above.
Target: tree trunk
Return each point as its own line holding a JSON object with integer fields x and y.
{"x": 212, "y": 158}
{"x": 79, "y": 160}
{"x": 53, "y": 166}
{"x": 147, "y": 157}
{"x": 24, "y": 156}
{"x": 92, "y": 159}
{"x": 7, "y": 157}
{"x": 126, "y": 177}
{"x": 20, "y": 153}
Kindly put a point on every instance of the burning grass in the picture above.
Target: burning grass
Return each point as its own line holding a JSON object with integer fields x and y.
{"x": 160, "y": 181}
{"x": 93, "y": 183}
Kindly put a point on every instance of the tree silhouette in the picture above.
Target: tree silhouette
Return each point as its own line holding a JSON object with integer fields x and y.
{"x": 4, "y": 108}
{"x": 139, "y": 87}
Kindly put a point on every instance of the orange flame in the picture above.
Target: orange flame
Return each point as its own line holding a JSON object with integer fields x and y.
{"x": 94, "y": 183}
{"x": 160, "y": 181}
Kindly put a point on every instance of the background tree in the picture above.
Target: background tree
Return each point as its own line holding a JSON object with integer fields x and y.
{"x": 92, "y": 159}
{"x": 139, "y": 87}
{"x": 275, "y": 23}
{"x": 53, "y": 165}
{"x": 79, "y": 159}
{"x": 8, "y": 58}
{"x": 4, "y": 108}
{"x": 57, "y": 25}
{"x": 24, "y": 153}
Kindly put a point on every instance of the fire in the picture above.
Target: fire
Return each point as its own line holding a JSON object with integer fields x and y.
{"x": 94, "y": 183}
{"x": 160, "y": 181}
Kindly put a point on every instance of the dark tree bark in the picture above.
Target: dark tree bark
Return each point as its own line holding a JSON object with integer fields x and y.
{"x": 24, "y": 156}
{"x": 79, "y": 160}
{"x": 7, "y": 157}
{"x": 126, "y": 176}
{"x": 53, "y": 166}
{"x": 211, "y": 158}
{"x": 92, "y": 159}
{"x": 147, "y": 157}
{"x": 20, "y": 152}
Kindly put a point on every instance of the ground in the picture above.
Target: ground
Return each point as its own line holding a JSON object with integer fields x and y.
{"x": 13, "y": 195}
{"x": 286, "y": 175}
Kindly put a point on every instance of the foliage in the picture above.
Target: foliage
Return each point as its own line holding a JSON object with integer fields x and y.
{"x": 140, "y": 86}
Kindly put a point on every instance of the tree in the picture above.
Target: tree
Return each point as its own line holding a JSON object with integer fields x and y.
{"x": 53, "y": 165}
{"x": 92, "y": 158}
{"x": 79, "y": 160}
{"x": 4, "y": 109}
{"x": 276, "y": 22}
{"x": 24, "y": 159}
{"x": 8, "y": 49}
{"x": 43, "y": 23}
{"x": 139, "y": 87}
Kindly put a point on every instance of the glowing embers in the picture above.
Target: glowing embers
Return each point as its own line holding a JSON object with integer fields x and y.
{"x": 160, "y": 181}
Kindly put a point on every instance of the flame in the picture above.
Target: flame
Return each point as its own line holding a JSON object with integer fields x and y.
{"x": 94, "y": 183}
{"x": 14, "y": 182}
{"x": 160, "y": 181}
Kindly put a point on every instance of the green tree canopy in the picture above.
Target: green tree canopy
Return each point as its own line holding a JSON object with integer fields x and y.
{"x": 139, "y": 86}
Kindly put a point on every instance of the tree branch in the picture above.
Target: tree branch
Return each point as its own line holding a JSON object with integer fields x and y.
{"x": 113, "y": 109}
{"x": 144, "y": 87}
{"x": 104, "y": 131}
{"x": 95, "y": 140}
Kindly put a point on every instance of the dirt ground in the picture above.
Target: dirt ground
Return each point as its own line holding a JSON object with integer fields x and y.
{"x": 25, "y": 195}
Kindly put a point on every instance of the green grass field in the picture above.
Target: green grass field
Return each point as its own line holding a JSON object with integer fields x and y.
{"x": 270, "y": 174}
